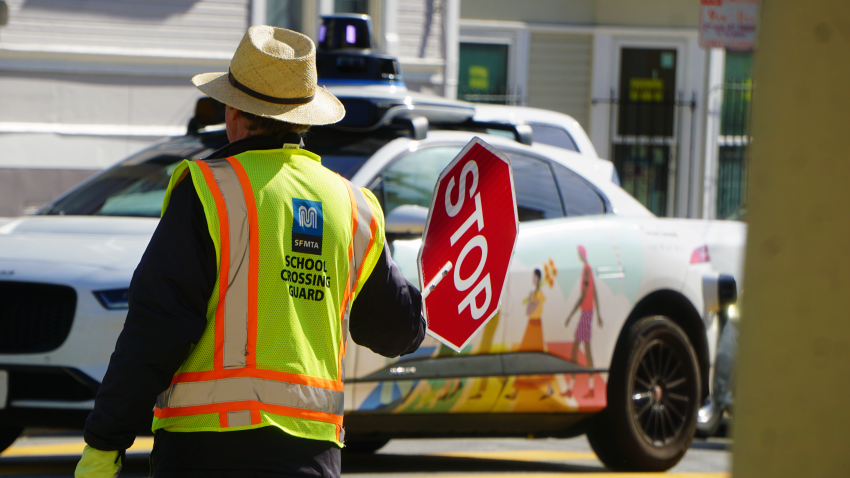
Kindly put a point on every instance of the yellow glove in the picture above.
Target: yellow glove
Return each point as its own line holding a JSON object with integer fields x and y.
{"x": 98, "y": 464}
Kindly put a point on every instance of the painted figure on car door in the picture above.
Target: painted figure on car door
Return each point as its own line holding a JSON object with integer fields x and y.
{"x": 588, "y": 302}
{"x": 532, "y": 340}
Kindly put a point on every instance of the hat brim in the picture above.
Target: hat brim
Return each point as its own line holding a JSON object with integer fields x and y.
{"x": 325, "y": 108}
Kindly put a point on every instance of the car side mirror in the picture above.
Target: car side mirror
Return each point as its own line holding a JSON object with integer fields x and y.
{"x": 406, "y": 221}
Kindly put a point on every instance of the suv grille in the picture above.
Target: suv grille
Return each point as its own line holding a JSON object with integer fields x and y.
{"x": 34, "y": 317}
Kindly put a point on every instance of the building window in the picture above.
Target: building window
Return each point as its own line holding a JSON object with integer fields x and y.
{"x": 285, "y": 14}
{"x": 646, "y": 139}
{"x": 483, "y": 73}
{"x": 734, "y": 136}
{"x": 351, "y": 6}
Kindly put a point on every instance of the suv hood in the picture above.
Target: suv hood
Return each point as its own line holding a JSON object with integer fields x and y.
{"x": 106, "y": 242}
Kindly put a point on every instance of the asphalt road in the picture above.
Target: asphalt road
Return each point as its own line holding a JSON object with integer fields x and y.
{"x": 56, "y": 456}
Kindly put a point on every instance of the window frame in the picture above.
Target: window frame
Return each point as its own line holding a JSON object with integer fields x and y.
{"x": 606, "y": 204}
{"x": 547, "y": 162}
{"x": 609, "y": 209}
{"x": 517, "y": 41}
{"x": 560, "y": 128}
{"x": 379, "y": 177}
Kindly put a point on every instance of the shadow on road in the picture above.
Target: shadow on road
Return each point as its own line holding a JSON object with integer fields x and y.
{"x": 386, "y": 463}
{"x": 137, "y": 465}
{"x": 711, "y": 445}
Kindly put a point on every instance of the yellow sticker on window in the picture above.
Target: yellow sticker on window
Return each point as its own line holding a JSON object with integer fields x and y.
{"x": 479, "y": 77}
{"x": 646, "y": 89}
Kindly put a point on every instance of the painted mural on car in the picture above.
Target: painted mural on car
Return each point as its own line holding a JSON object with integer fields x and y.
{"x": 567, "y": 295}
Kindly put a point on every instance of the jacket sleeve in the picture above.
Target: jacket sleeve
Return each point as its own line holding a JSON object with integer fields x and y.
{"x": 387, "y": 316}
{"x": 168, "y": 299}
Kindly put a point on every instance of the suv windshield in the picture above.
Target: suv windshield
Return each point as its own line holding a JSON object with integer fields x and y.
{"x": 136, "y": 186}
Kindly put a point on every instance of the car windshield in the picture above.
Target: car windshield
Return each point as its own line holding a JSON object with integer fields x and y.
{"x": 137, "y": 185}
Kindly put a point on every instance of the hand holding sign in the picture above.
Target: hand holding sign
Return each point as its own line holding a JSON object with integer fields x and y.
{"x": 468, "y": 243}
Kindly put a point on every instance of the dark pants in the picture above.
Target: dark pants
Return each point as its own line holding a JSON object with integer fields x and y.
{"x": 266, "y": 452}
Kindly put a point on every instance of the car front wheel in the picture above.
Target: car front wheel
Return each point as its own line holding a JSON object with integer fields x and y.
{"x": 653, "y": 398}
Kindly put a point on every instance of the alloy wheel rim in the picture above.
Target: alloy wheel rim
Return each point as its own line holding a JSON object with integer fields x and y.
{"x": 660, "y": 388}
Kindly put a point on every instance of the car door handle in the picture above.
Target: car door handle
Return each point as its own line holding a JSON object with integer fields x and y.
{"x": 610, "y": 272}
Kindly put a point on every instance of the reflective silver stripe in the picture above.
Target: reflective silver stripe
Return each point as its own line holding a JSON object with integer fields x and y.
{"x": 363, "y": 233}
{"x": 352, "y": 274}
{"x": 241, "y": 418}
{"x": 236, "y": 298}
{"x": 360, "y": 243}
{"x": 238, "y": 389}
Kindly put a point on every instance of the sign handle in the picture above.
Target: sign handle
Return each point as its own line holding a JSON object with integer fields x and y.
{"x": 444, "y": 271}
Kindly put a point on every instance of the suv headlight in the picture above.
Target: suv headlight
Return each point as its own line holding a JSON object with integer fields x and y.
{"x": 113, "y": 299}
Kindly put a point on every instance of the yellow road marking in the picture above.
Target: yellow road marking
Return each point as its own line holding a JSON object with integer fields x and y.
{"x": 145, "y": 444}
{"x": 142, "y": 444}
{"x": 599, "y": 475}
{"x": 55, "y": 449}
{"x": 523, "y": 455}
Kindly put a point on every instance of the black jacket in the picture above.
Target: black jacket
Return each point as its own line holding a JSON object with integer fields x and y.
{"x": 168, "y": 301}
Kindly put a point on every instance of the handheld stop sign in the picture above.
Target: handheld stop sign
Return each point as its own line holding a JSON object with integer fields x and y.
{"x": 468, "y": 244}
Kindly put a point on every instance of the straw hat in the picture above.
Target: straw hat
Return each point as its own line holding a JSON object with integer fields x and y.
{"x": 273, "y": 74}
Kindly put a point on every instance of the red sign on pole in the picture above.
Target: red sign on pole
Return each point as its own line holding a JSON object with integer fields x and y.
{"x": 730, "y": 24}
{"x": 468, "y": 244}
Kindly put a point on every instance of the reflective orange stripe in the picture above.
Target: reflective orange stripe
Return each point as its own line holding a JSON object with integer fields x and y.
{"x": 224, "y": 273}
{"x": 259, "y": 373}
{"x": 222, "y": 418}
{"x": 353, "y": 220}
{"x": 346, "y": 296}
{"x": 373, "y": 226}
{"x": 182, "y": 177}
{"x": 223, "y": 408}
{"x": 255, "y": 416}
{"x": 253, "y": 259}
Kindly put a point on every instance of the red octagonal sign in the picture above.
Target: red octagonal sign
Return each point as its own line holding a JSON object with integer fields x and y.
{"x": 468, "y": 244}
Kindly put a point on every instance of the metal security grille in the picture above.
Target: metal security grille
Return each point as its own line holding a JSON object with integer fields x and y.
{"x": 732, "y": 154}
{"x": 34, "y": 317}
{"x": 646, "y": 143}
{"x": 649, "y": 118}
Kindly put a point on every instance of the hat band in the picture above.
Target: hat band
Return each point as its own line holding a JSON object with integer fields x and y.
{"x": 270, "y": 99}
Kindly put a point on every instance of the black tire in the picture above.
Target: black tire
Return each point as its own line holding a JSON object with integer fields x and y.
{"x": 364, "y": 446}
{"x": 8, "y": 435}
{"x": 653, "y": 398}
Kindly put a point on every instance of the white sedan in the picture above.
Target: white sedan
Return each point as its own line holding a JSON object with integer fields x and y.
{"x": 607, "y": 326}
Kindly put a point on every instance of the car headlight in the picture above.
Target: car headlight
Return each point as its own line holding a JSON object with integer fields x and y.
{"x": 113, "y": 299}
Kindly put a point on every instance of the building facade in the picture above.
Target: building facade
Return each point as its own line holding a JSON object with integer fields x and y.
{"x": 85, "y": 83}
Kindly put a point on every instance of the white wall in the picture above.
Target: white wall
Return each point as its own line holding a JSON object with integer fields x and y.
{"x": 85, "y": 83}
{"x": 559, "y": 73}
{"x": 206, "y": 25}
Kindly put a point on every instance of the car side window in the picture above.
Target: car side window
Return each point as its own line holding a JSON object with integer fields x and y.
{"x": 553, "y": 136}
{"x": 411, "y": 179}
{"x": 536, "y": 194}
{"x": 580, "y": 199}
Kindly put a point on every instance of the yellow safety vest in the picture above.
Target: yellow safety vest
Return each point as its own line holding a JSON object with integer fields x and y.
{"x": 294, "y": 243}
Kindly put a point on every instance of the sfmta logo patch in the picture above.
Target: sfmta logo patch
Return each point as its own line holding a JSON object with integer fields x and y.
{"x": 307, "y": 222}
